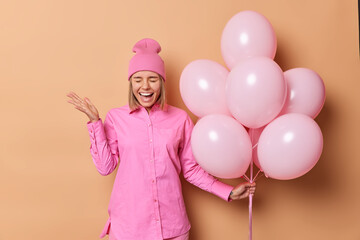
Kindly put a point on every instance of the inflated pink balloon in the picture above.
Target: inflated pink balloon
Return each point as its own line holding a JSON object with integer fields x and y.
{"x": 247, "y": 34}
{"x": 255, "y": 91}
{"x": 290, "y": 146}
{"x": 306, "y": 92}
{"x": 221, "y": 146}
{"x": 202, "y": 87}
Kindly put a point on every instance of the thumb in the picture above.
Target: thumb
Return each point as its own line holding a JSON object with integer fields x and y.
{"x": 89, "y": 102}
{"x": 92, "y": 107}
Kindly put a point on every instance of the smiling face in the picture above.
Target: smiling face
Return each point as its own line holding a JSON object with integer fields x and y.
{"x": 146, "y": 87}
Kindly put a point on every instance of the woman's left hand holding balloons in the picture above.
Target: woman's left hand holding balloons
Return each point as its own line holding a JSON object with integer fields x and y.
{"x": 243, "y": 190}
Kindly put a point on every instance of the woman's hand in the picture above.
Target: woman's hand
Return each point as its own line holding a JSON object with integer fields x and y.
{"x": 243, "y": 190}
{"x": 84, "y": 105}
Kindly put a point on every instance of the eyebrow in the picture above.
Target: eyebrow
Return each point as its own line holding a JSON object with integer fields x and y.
{"x": 138, "y": 77}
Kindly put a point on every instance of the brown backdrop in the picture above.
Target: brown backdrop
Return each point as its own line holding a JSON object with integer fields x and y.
{"x": 50, "y": 188}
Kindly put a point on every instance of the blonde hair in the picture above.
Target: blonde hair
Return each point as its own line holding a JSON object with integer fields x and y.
{"x": 134, "y": 103}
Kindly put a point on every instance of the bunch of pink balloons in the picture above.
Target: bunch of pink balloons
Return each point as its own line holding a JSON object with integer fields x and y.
{"x": 277, "y": 107}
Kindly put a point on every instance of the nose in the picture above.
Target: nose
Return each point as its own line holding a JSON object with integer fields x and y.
{"x": 146, "y": 85}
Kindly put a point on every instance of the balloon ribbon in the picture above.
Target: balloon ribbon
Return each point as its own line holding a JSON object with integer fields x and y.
{"x": 250, "y": 201}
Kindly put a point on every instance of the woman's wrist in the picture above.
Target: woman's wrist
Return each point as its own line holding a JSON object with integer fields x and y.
{"x": 231, "y": 193}
{"x": 94, "y": 120}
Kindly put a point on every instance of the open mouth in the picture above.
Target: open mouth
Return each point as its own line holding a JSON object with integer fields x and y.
{"x": 146, "y": 94}
{"x": 146, "y": 97}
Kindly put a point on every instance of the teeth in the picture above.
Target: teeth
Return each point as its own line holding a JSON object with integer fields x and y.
{"x": 146, "y": 94}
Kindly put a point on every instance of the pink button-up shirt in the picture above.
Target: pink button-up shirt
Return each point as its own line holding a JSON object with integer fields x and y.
{"x": 146, "y": 201}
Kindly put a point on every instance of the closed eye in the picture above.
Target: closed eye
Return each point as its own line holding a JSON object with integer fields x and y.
{"x": 137, "y": 79}
{"x": 154, "y": 79}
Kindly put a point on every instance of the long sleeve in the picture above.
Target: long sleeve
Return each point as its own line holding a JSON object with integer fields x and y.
{"x": 103, "y": 148}
{"x": 193, "y": 172}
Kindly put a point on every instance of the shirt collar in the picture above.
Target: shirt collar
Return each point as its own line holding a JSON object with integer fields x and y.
{"x": 156, "y": 107}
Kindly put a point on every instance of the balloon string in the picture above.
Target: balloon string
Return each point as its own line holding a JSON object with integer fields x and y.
{"x": 255, "y": 145}
{"x": 251, "y": 181}
{"x": 250, "y": 202}
{"x": 246, "y": 178}
{"x": 257, "y": 175}
{"x": 250, "y": 216}
{"x": 262, "y": 174}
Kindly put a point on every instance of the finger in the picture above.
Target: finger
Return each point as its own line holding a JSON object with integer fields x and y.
{"x": 69, "y": 93}
{"x": 249, "y": 184}
{"x": 71, "y": 96}
{"x": 75, "y": 95}
{"x": 77, "y": 98}
{"x": 242, "y": 189}
{"x": 89, "y": 104}
{"x": 80, "y": 109}
{"x": 88, "y": 100}
{"x": 75, "y": 103}
{"x": 250, "y": 190}
{"x": 244, "y": 195}
{"x": 79, "y": 106}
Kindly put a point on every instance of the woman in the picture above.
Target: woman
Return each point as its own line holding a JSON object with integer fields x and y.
{"x": 152, "y": 140}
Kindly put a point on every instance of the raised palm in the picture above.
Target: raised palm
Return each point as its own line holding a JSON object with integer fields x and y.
{"x": 84, "y": 105}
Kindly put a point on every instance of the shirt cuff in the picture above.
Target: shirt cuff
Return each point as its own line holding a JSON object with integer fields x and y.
{"x": 96, "y": 130}
{"x": 222, "y": 190}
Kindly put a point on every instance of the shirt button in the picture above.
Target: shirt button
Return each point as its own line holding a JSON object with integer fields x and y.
{"x": 95, "y": 152}
{"x": 91, "y": 131}
{"x": 149, "y": 124}
{"x": 155, "y": 200}
{"x": 150, "y": 140}
{"x": 153, "y": 181}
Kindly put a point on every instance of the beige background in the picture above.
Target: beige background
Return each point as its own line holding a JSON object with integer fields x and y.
{"x": 50, "y": 188}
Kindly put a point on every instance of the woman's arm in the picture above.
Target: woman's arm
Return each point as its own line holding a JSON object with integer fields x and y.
{"x": 193, "y": 172}
{"x": 103, "y": 139}
{"x": 103, "y": 148}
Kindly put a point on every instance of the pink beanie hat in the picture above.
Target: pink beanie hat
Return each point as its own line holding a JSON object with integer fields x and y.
{"x": 147, "y": 58}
